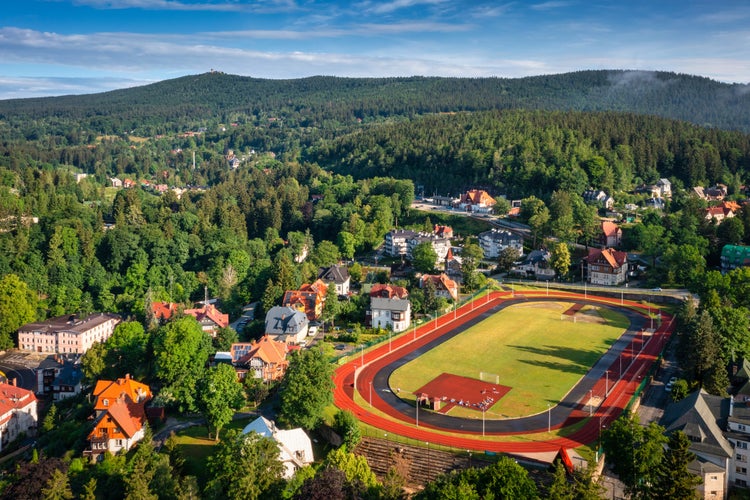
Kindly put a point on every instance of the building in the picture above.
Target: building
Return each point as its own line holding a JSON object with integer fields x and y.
{"x": 734, "y": 256}
{"x": 210, "y": 318}
{"x": 60, "y": 376}
{"x": 442, "y": 231}
{"x": 664, "y": 187}
{"x": 396, "y": 241}
{"x": 536, "y": 265}
{"x": 441, "y": 246}
{"x": 120, "y": 416}
{"x": 264, "y": 359}
{"x": 385, "y": 313}
{"x": 163, "y": 311}
{"x": 67, "y": 334}
{"x": 598, "y": 197}
{"x": 295, "y": 447}
{"x": 309, "y": 299}
{"x": 606, "y": 266}
{"x": 718, "y": 213}
{"x": 494, "y": 241}
{"x": 610, "y": 235}
{"x": 338, "y": 277}
{"x": 444, "y": 286}
{"x": 18, "y": 413}
{"x": 477, "y": 201}
{"x": 703, "y": 417}
{"x": 286, "y": 324}
{"x": 388, "y": 291}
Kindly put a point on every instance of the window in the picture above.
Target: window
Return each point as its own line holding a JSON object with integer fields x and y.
{"x": 740, "y": 482}
{"x": 740, "y": 470}
{"x": 742, "y": 445}
{"x": 741, "y": 427}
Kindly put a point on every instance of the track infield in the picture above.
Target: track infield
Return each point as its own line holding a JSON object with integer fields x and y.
{"x": 468, "y": 393}
{"x": 535, "y": 348}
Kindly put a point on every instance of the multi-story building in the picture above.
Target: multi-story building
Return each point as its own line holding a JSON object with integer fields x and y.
{"x": 441, "y": 246}
{"x": 17, "y": 413}
{"x": 264, "y": 359}
{"x": 396, "y": 241}
{"x": 494, "y": 241}
{"x": 606, "y": 266}
{"x": 67, "y": 334}
{"x": 389, "y": 313}
{"x": 444, "y": 286}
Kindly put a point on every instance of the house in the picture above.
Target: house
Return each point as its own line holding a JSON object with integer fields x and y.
{"x": 286, "y": 324}
{"x": 67, "y": 334}
{"x": 444, "y": 201}
{"x": 116, "y": 183}
{"x": 477, "y": 201}
{"x": 439, "y": 245}
{"x": 536, "y": 265}
{"x": 309, "y": 299}
{"x": 336, "y": 276}
{"x": 59, "y": 376}
{"x": 494, "y": 241}
{"x": 163, "y": 311}
{"x": 388, "y": 291}
{"x": 18, "y": 413}
{"x": 389, "y": 313}
{"x": 444, "y": 286}
{"x": 606, "y": 266}
{"x": 703, "y": 417}
{"x": 598, "y": 197}
{"x": 442, "y": 231}
{"x": 295, "y": 447}
{"x": 453, "y": 266}
{"x": 610, "y": 235}
{"x": 718, "y": 213}
{"x": 264, "y": 359}
{"x": 734, "y": 256}
{"x": 120, "y": 416}
{"x": 664, "y": 187}
{"x": 396, "y": 241}
{"x": 210, "y": 318}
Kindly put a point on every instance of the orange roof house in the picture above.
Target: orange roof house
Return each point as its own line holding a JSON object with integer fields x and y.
{"x": 309, "y": 299}
{"x": 477, "y": 198}
{"x": 163, "y": 311}
{"x": 18, "y": 413}
{"x": 120, "y": 416}
{"x": 443, "y": 231}
{"x": 444, "y": 286}
{"x": 264, "y": 359}
{"x": 210, "y": 318}
{"x": 611, "y": 234}
{"x": 388, "y": 291}
{"x": 606, "y": 266}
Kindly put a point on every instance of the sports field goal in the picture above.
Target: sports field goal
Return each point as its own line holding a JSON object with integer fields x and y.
{"x": 489, "y": 377}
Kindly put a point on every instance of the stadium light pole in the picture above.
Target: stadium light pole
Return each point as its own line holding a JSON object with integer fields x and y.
{"x": 370, "y": 392}
{"x": 591, "y": 404}
{"x": 549, "y": 417}
{"x": 483, "y": 410}
{"x": 606, "y": 386}
{"x": 363, "y": 354}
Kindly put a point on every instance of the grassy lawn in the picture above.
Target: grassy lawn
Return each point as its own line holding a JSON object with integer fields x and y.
{"x": 538, "y": 355}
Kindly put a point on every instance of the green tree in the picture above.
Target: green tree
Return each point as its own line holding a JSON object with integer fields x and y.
{"x": 471, "y": 255}
{"x": 224, "y": 339}
{"x": 57, "y": 487}
{"x": 560, "y": 258}
{"x": 127, "y": 351}
{"x": 244, "y": 466}
{"x": 347, "y": 426}
{"x": 181, "y": 350}
{"x": 355, "y": 467}
{"x": 424, "y": 257}
{"x": 17, "y": 307}
{"x": 325, "y": 254}
{"x": 93, "y": 362}
{"x": 219, "y": 395}
{"x": 307, "y": 389}
{"x": 673, "y": 480}
{"x": 508, "y": 256}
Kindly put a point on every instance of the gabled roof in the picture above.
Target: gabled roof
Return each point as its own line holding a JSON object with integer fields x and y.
{"x": 744, "y": 371}
{"x": 210, "y": 312}
{"x": 267, "y": 350}
{"x": 111, "y": 391}
{"x": 478, "y": 197}
{"x": 282, "y": 320}
{"x": 163, "y": 310}
{"x": 14, "y": 398}
{"x": 442, "y": 282}
{"x": 385, "y": 304}
{"x": 702, "y": 417}
{"x": 609, "y": 228}
{"x": 388, "y": 291}
{"x": 612, "y": 257}
{"x": 337, "y": 274}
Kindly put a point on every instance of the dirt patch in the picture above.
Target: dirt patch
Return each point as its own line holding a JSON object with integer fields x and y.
{"x": 454, "y": 390}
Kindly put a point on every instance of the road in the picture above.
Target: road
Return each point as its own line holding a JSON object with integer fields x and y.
{"x": 19, "y": 366}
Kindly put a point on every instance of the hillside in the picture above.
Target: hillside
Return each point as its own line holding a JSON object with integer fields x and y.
{"x": 326, "y": 102}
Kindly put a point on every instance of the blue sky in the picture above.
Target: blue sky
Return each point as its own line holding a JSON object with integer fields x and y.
{"x": 56, "y": 47}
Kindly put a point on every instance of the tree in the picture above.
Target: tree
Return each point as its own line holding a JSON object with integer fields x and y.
{"x": 508, "y": 256}
{"x": 57, "y": 487}
{"x": 560, "y": 259}
{"x": 424, "y": 257}
{"x": 219, "y": 395}
{"x": 255, "y": 389}
{"x": 126, "y": 351}
{"x": 224, "y": 339}
{"x": 93, "y": 362}
{"x": 471, "y": 255}
{"x": 329, "y": 483}
{"x": 355, "y": 467}
{"x": 17, "y": 307}
{"x": 326, "y": 254}
{"x": 181, "y": 350}
{"x": 705, "y": 358}
{"x": 673, "y": 480}
{"x": 307, "y": 389}
{"x": 347, "y": 426}
{"x": 244, "y": 466}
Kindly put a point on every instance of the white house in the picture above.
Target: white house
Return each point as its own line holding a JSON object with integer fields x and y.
{"x": 17, "y": 413}
{"x": 440, "y": 245}
{"x": 392, "y": 313}
{"x": 338, "y": 276}
{"x": 494, "y": 241}
{"x": 295, "y": 448}
{"x": 396, "y": 241}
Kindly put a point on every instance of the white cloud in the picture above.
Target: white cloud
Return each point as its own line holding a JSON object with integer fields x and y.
{"x": 178, "y": 5}
{"x": 394, "y": 5}
{"x": 550, "y": 5}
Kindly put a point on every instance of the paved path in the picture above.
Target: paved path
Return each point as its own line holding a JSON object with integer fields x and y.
{"x": 380, "y": 362}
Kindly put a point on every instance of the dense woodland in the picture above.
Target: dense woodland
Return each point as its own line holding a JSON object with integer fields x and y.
{"x": 330, "y": 165}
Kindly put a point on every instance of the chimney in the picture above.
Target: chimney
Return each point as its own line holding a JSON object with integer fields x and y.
{"x": 127, "y": 376}
{"x": 14, "y": 381}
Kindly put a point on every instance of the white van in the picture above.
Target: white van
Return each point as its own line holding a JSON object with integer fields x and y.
{"x": 312, "y": 331}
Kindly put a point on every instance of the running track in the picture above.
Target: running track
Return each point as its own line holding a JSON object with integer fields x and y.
{"x": 634, "y": 353}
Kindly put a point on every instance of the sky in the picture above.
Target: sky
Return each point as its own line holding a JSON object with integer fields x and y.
{"x": 59, "y": 47}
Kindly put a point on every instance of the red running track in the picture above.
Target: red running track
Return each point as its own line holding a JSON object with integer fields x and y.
{"x": 620, "y": 391}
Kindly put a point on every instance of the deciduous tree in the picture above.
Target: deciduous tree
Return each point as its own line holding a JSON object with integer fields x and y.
{"x": 219, "y": 395}
{"x": 306, "y": 389}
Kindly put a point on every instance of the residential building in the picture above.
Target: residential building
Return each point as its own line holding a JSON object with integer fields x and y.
{"x": 734, "y": 256}
{"x": 494, "y": 241}
{"x": 18, "y": 413}
{"x": 396, "y": 241}
{"x": 264, "y": 359}
{"x": 295, "y": 447}
{"x": 599, "y": 197}
{"x": 606, "y": 266}
{"x": 719, "y": 213}
{"x": 338, "y": 277}
{"x": 309, "y": 299}
{"x": 444, "y": 286}
{"x": 439, "y": 245}
{"x": 67, "y": 334}
{"x": 477, "y": 201}
{"x": 286, "y": 324}
{"x": 664, "y": 187}
{"x": 163, "y": 311}
{"x": 453, "y": 266}
{"x": 388, "y": 291}
{"x": 442, "y": 231}
{"x": 536, "y": 265}
{"x": 611, "y": 234}
{"x": 386, "y": 313}
{"x": 60, "y": 376}
{"x": 120, "y": 416}
{"x": 210, "y": 318}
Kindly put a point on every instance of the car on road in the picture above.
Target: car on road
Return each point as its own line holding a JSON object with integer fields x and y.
{"x": 340, "y": 347}
{"x": 657, "y": 289}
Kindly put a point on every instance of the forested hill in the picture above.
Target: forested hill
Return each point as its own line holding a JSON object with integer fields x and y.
{"x": 326, "y": 102}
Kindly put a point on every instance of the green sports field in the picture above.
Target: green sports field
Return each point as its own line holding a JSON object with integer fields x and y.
{"x": 532, "y": 350}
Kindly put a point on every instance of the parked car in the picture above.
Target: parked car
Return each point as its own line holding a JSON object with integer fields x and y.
{"x": 670, "y": 384}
